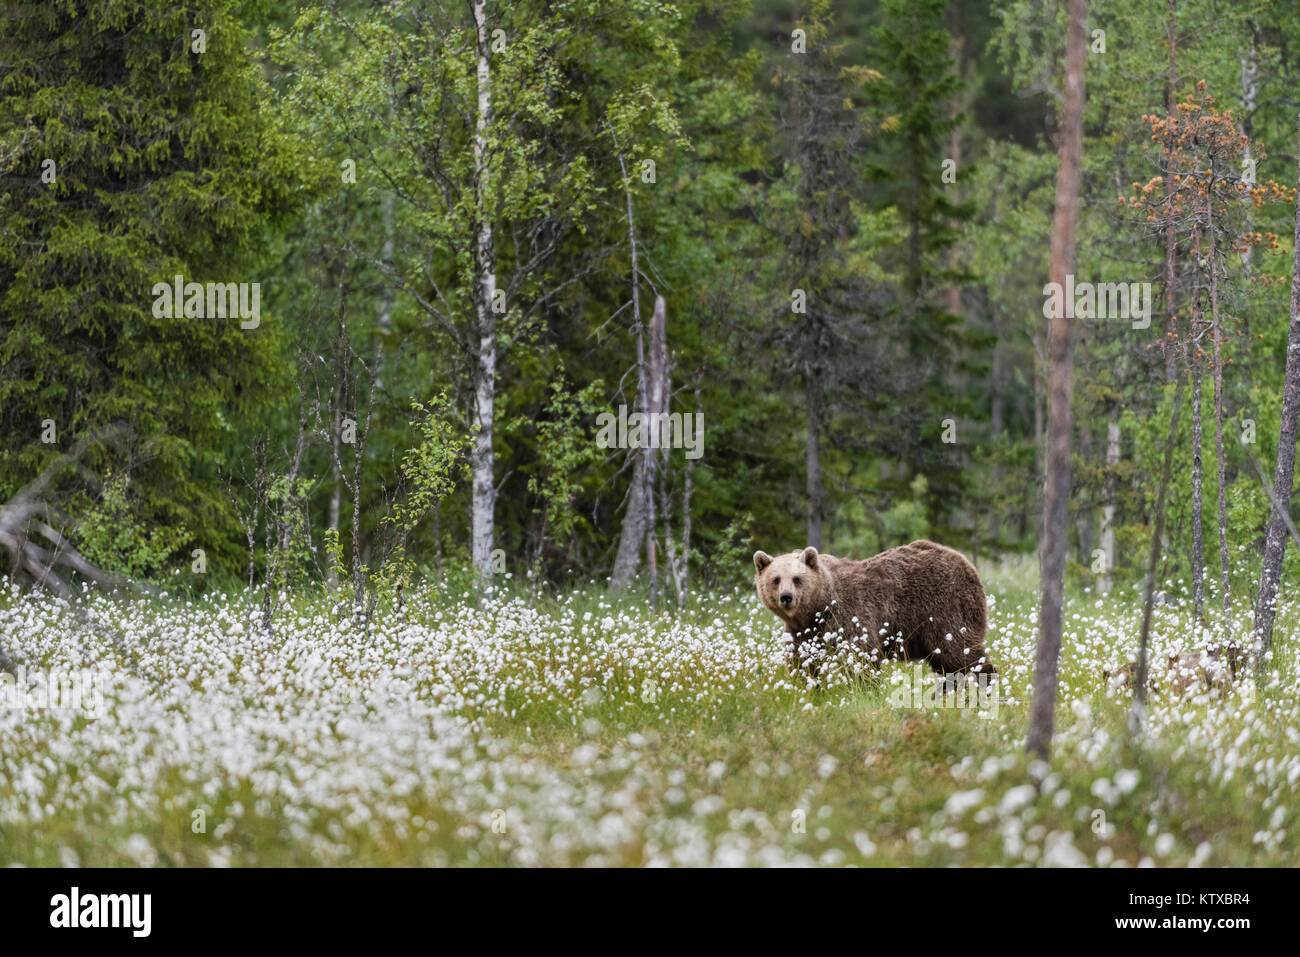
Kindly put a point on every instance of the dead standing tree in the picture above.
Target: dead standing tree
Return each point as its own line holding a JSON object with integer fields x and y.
{"x": 636, "y": 526}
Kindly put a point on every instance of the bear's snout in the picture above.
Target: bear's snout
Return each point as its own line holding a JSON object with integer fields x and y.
{"x": 787, "y": 599}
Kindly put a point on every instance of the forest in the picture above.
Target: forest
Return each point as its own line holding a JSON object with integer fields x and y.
{"x": 447, "y": 362}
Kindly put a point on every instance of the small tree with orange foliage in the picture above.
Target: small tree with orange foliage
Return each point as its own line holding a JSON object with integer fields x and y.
{"x": 1213, "y": 189}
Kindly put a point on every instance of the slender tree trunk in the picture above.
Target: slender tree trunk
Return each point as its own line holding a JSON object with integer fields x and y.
{"x": 1108, "y": 510}
{"x": 1249, "y": 98}
{"x": 1216, "y": 331}
{"x": 482, "y": 462}
{"x": 1283, "y": 473}
{"x": 1083, "y": 518}
{"x": 1138, "y": 714}
{"x": 1057, "y": 492}
{"x": 336, "y": 432}
{"x": 656, "y": 406}
{"x": 1198, "y": 493}
{"x": 687, "y": 491}
{"x": 358, "y": 575}
{"x": 633, "y": 534}
{"x": 1171, "y": 105}
{"x": 1196, "y": 328}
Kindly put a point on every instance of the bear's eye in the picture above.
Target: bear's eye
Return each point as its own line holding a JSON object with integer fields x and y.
{"x": 776, "y": 580}
{"x": 797, "y": 581}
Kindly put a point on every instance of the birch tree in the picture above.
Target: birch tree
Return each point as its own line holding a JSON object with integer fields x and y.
{"x": 448, "y": 118}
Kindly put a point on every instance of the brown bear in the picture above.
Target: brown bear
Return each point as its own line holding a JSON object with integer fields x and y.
{"x": 918, "y": 602}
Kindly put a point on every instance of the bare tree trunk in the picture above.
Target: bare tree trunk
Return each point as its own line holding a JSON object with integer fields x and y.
{"x": 1138, "y": 713}
{"x": 633, "y": 533}
{"x": 1108, "y": 510}
{"x": 1171, "y": 105}
{"x": 482, "y": 463}
{"x": 358, "y": 577}
{"x": 277, "y": 552}
{"x": 1196, "y": 329}
{"x": 1083, "y": 517}
{"x": 656, "y": 405}
{"x": 1198, "y": 493}
{"x": 1057, "y": 492}
{"x": 1283, "y": 474}
{"x": 684, "y": 590}
{"x": 1216, "y": 331}
{"x": 336, "y": 430}
{"x": 1249, "y": 98}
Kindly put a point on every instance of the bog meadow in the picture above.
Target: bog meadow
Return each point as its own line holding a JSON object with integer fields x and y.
{"x": 394, "y": 397}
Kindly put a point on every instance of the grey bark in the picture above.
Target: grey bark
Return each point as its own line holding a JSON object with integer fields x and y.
{"x": 1283, "y": 473}
{"x": 627, "y": 559}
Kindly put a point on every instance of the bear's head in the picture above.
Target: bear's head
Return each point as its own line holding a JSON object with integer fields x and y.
{"x": 792, "y": 586}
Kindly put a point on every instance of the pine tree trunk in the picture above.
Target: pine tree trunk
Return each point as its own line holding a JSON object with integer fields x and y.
{"x": 1057, "y": 492}
{"x": 1283, "y": 473}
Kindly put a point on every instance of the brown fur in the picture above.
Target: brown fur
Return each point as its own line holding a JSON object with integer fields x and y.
{"x": 904, "y": 603}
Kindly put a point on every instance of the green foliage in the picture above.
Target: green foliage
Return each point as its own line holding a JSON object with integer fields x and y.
{"x": 430, "y": 469}
{"x": 126, "y": 158}
{"x": 566, "y": 451}
{"x": 905, "y": 521}
{"x": 112, "y": 536}
{"x": 731, "y": 561}
{"x": 434, "y": 465}
{"x": 771, "y": 170}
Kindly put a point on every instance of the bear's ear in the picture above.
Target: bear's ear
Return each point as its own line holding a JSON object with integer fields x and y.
{"x": 761, "y": 560}
{"x": 810, "y": 557}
